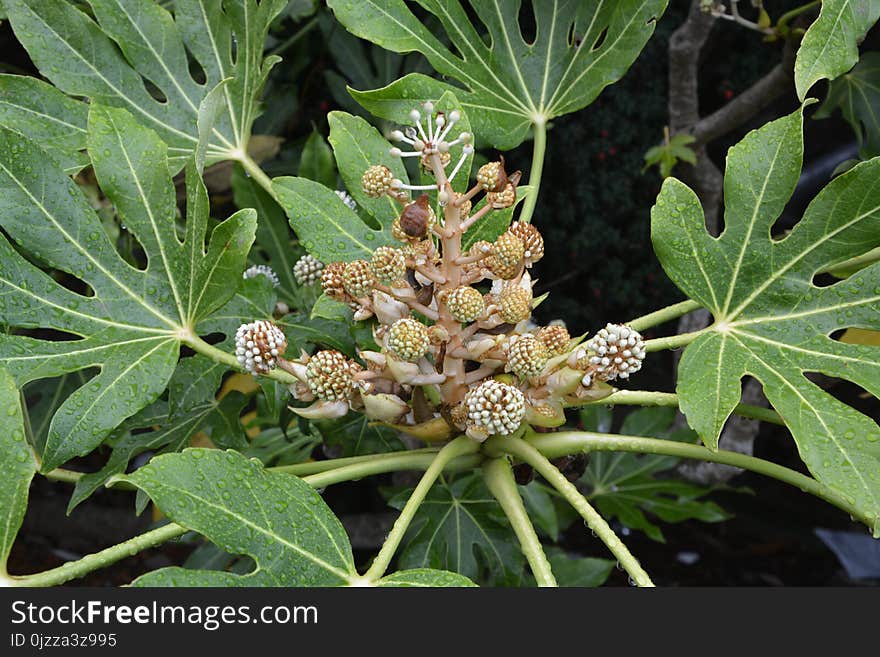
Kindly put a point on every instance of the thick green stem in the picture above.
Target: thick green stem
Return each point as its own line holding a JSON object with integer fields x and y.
{"x": 539, "y": 148}
{"x": 653, "y": 398}
{"x": 526, "y": 452}
{"x": 674, "y": 311}
{"x": 461, "y": 446}
{"x": 380, "y": 466}
{"x": 553, "y": 445}
{"x": 673, "y": 341}
{"x": 314, "y": 467}
{"x": 499, "y": 479}
{"x": 254, "y": 171}
{"x": 80, "y": 567}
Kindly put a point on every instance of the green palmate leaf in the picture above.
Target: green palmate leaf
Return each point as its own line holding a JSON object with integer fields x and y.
{"x": 275, "y": 518}
{"x": 132, "y": 323}
{"x": 42, "y": 112}
{"x": 107, "y": 61}
{"x": 424, "y": 577}
{"x": 771, "y": 320}
{"x": 192, "y": 404}
{"x": 508, "y": 84}
{"x": 831, "y": 44}
{"x": 461, "y": 527}
{"x": 857, "y": 95}
{"x": 17, "y": 467}
{"x": 667, "y": 155}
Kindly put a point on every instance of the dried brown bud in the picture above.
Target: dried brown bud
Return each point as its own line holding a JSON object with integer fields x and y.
{"x": 417, "y": 218}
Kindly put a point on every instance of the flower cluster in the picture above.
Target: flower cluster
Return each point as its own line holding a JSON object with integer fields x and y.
{"x": 452, "y": 315}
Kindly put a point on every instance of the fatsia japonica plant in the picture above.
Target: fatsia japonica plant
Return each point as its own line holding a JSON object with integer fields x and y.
{"x": 404, "y": 306}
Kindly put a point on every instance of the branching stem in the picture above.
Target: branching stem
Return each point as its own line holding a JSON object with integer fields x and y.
{"x": 673, "y": 341}
{"x": 460, "y": 446}
{"x": 666, "y": 314}
{"x": 552, "y": 445}
{"x": 654, "y": 398}
{"x": 524, "y": 451}
{"x": 499, "y": 479}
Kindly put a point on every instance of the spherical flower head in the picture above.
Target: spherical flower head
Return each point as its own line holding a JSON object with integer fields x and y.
{"x": 308, "y": 270}
{"x": 514, "y": 303}
{"x": 555, "y": 337}
{"x": 505, "y": 272}
{"x": 332, "y": 281}
{"x": 495, "y": 408}
{"x": 329, "y": 375}
{"x": 465, "y": 303}
{"x": 258, "y": 346}
{"x": 358, "y": 278}
{"x": 508, "y": 249}
{"x": 503, "y": 199}
{"x": 377, "y": 180}
{"x": 408, "y": 339}
{"x": 491, "y": 177}
{"x": 617, "y": 352}
{"x": 527, "y": 356}
{"x": 346, "y": 198}
{"x": 533, "y": 243}
{"x": 389, "y": 265}
{"x": 261, "y": 270}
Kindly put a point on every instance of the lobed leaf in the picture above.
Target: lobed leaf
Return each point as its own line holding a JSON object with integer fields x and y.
{"x": 107, "y": 60}
{"x": 771, "y": 320}
{"x": 276, "y": 519}
{"x": 507, "y": 82}
{"x": 130, "y": 322}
